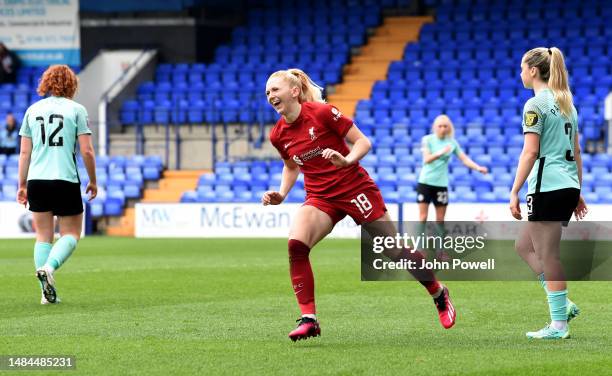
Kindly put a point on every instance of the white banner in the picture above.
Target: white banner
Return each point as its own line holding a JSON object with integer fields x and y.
{"x": 228, "y": 221}
{"x": 42, "y": 32}
{"x": 16, "y": 221}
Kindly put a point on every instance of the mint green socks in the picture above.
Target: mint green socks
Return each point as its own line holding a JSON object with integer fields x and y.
{"x": 557, "y": 303}
{"x": 61, "y": 251}
{"x": 41, "y": 253}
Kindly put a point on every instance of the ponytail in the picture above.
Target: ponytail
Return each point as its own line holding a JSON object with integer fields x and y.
{"x": 309, "y": 91}
{"x": 551, "y": 65}
{"x": 558, "y": 81}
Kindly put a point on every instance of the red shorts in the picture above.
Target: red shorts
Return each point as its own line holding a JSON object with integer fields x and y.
{"x": 364, "y": 205}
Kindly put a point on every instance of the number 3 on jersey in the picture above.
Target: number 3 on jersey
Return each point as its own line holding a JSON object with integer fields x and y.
{"x": 52, "y": 142}
{"x": 363, "y": 204}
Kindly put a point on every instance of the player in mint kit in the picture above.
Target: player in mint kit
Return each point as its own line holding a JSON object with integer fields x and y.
{"x": 438, "y": 148}
{"x": 551, "y": 163}
{"x": 48, "y": 176}
{"x": 310, "y": 137}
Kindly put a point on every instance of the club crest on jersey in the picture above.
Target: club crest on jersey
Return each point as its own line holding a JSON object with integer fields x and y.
{"x": 297, "y": 160}
{"x": 312, "y": 134}
{"x": 337, "y": 114}
{"x": 531, "y": 118}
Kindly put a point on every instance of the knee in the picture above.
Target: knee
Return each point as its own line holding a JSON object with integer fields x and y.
{"x": 423, "y": 217}
{"x": 297, "y": 250}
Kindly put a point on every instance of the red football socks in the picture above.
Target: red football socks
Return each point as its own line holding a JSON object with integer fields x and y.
{"x": 301, "y": 276}
{"x": 425, "y": 276}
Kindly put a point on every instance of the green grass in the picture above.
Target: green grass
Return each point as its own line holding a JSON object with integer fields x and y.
{"x": 174, "y": 307}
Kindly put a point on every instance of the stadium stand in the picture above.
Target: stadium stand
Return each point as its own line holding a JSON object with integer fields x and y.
{"x": 229, "y": 89}
{"x": 467, "y": 67}
{"x": 462, "y": 64}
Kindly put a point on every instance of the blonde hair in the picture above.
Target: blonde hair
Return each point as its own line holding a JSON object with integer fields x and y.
{"x": 551, "y": 65}
{"x": 444, "y": 118}
{"x": 309, "y": 90}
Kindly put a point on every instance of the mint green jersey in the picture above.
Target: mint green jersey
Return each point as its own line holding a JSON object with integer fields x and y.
{"x": 54, "y": 125}
{"x": 436, "y": 172}
{"x": 555, "y": 167}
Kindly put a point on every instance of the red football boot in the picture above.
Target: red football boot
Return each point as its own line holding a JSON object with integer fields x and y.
{"x": 446, "y": 310}
{"x": 307, "y": 327}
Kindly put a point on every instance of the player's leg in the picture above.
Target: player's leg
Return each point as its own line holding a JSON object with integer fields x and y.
{"x": 524, "y": 248}
{"x": 423, "y": 199}
{"x": 546, "y": 237}
{"x": 422, "y": 225}
{"x": 44, "y": 225}
{"x": 383, "y": 226}
{"x": 68, "y": 207}
{"x": 309, "y": 226}
{"x": 423, "y": 209}
{"x": 440, "y": 205}
{"x": 70, "y": 232}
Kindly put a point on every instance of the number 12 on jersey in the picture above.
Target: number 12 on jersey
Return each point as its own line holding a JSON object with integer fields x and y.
{"x": 52, "y": 142}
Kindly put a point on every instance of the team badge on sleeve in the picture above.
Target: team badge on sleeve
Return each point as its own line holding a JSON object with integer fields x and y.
{"x": 531, "y": 118}
{"x": 336, "y": 113}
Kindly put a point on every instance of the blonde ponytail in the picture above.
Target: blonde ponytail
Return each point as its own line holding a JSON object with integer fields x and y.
{"x": 558, "y": 82}
{"x": 551, "y": 65}
{"x": 309, "y": 91}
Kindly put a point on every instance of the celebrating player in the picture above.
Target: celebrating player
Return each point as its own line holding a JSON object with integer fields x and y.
{"x": 432, "y": 187}
{"x": 551, "y": 158}
{"x": 48, "y": 175}
{"x": 310, "y": 137}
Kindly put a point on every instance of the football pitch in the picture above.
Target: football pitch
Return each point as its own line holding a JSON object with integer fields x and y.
{"x": 220, "y": 306}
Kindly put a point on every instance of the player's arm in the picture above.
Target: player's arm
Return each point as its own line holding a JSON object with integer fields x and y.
{"x": 361, "y": 147}
{"x": 289, "y": 175}
{"x": 581, "y": 209}
{"x": 531, "y": 149}
{"x": 578, "y": 158}
{"x": 89, "y": 159}
{"x": 25, "y": 155}
{"x": 428, "y": 156}
{"x": 468, "y": 162}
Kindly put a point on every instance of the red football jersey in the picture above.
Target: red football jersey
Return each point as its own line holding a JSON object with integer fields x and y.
{"x": 318, "y": 127}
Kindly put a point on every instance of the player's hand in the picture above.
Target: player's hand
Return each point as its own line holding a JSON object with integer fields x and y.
{"x": 92, "y": 189}
{"x": 482, "y": 169}
{"x": 447, "y": 149}
{"x": 581, "y": 210}
{"x": 272, "y": 198}
{"x": 335, "y": 158}
{"x": 22, "y": 196}
{"x": 515, "y": 207}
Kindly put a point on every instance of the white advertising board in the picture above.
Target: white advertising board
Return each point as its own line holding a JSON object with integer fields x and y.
{"x": 228, "y": 220}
